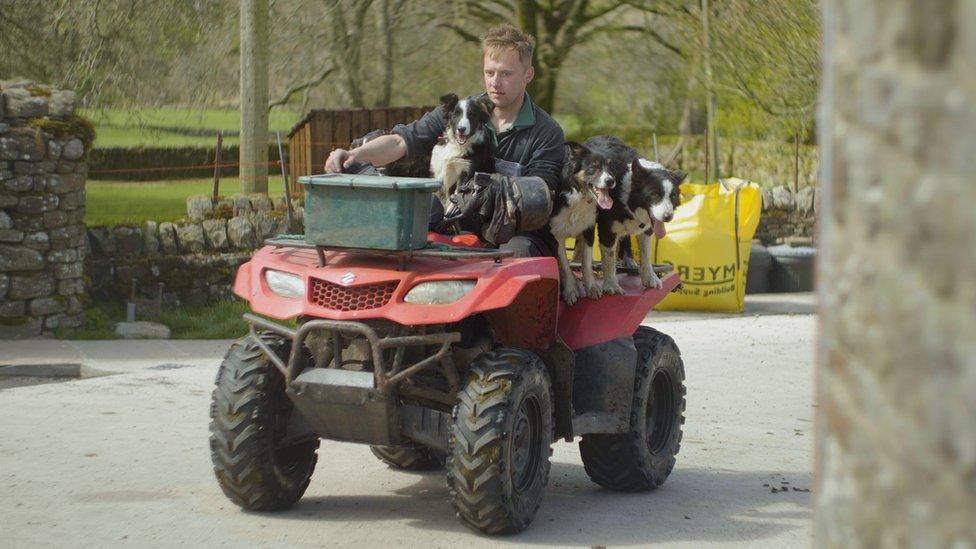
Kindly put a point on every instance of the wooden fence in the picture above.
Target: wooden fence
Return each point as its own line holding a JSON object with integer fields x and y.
{"x": 322, "y": 130}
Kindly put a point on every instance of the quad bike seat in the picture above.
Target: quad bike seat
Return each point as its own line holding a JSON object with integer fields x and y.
{"x": 466, "y": 240}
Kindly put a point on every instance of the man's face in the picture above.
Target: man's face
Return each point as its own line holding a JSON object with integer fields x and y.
{"x": 506, "y": 78}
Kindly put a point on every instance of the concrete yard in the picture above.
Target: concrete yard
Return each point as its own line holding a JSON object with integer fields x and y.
{"x": 123, "y": 459}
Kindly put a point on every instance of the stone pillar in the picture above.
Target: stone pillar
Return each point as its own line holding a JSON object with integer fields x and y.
{"x": 43, "y": 145}
{"x": 896, "y": 445}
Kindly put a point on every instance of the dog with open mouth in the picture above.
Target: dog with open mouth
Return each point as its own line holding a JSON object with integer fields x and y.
{"x": 585, "y": 187}
{"x": 465, "y": 147}
{"x": 643, "y": 202}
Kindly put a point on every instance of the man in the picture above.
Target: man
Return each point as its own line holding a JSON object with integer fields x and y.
{"x": 524, "y": 137}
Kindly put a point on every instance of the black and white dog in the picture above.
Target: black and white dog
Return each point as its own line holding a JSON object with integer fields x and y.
{"x": 465, "y": 147}
{"x": 644, "y": 200}
{"x": 585, "y": 186}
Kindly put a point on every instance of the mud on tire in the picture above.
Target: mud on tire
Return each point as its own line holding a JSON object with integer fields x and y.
{"x": 249, "y": 412}
{"x": 409, "y": 458}
{"x": 643, "y": 458}
{"x": 498, "y": 463}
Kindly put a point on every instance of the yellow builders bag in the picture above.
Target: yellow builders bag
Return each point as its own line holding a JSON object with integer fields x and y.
{"x": 708, "y": 244}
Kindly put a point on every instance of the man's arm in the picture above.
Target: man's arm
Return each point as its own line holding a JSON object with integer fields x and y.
{"x": 411, "y": 140}
{"x": 421, "y": 135}
{"x": 379, "y": 152}
{"x": 547, "y": 157}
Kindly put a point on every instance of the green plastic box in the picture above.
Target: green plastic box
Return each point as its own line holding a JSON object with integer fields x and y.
{"x": 367, "y": 211}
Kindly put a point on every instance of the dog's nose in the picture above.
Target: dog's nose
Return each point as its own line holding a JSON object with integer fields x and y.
{"x": 609, "y": 182}
{"x": 668, "y": 217}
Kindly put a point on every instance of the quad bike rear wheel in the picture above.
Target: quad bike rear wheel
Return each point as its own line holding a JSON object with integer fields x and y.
{"x": 643, "y": 458}
{"x": 498, "y": 464}
{"x": 409, "y": 458}
{"x": 256, "y": 466}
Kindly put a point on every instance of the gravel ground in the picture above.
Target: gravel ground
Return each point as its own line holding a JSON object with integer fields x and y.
{"x": 123, "y": 460}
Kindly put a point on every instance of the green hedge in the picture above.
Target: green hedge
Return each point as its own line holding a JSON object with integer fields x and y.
{"x": 155, "y": 163}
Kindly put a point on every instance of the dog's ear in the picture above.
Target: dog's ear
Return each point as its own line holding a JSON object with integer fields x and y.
{"x": 576, "y": 150}
{"x": 487, "y": 103}
{"x": 448, "y": 102}
{"x": 636, "y": 167}
{"x": 678, "y": 176}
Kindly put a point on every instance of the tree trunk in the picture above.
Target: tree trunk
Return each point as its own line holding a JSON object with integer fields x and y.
{"x": 712, "y": 141}
{"x": 896, "y": 446}
{"x": 347, "y": 40}
{"x": 543, "y": 88}
{"x": 254, "y": 96}
{"x": 384, "y": 28}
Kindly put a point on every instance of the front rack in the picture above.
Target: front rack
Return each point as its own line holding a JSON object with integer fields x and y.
{"x": 403, "y": 256}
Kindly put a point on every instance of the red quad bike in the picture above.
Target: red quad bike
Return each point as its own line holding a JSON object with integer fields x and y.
{"x": 453, "y": 357}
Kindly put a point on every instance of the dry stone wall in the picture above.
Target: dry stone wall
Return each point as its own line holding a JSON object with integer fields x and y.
{"x": 787, "y": 215}
{"x": 194, "y": 259}
{"x": 43, "y": 146}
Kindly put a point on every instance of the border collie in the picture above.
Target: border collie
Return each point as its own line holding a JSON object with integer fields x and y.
{"x": 465, "y": 147}
{"x": 585, "y": 186}
{"x": 645, "y": 199}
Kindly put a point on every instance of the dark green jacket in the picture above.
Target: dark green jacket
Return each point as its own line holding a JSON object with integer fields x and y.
{"x": 535, "y": 140}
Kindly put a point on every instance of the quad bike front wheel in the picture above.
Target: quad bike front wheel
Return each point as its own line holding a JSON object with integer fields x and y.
{"x": 643, "y": 458}
{"x": 256, "y": 465}
{"x": 409, "y": 458}
{"x": 498, "y": 463}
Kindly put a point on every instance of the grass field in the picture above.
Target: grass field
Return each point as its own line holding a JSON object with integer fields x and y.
{"x": 221, "y": 320}
{"x": 115, "y": 202}
{"x": 173, "y": 127}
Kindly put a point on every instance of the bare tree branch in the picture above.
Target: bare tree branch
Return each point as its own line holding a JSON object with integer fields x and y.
{"x": 461, "y": 33}
{"x": 605, "y": 11}
{"x": 303, "y": 86}
{"x": 642, "y": 29}
{"x": 487, "y": 14}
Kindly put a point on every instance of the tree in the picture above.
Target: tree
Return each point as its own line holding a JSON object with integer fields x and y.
{"x": 115, "y": 51}
{"x": 358, "y": 49}
{"x": 769, "y": 58}
{"x": 559, "y": 26}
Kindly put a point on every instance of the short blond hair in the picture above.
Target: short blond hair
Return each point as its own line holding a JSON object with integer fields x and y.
{"x": 504, "y": 37}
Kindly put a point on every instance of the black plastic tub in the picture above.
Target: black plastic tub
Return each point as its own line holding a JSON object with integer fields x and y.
{"x": 757, "y": 275}
{"x": 792, "y": 268}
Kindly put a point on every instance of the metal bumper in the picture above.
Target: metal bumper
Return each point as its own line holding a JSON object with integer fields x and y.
{"x": 364, "y": 406}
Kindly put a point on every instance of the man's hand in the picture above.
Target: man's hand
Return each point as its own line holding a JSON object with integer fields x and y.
{"x": 338, "y": 160}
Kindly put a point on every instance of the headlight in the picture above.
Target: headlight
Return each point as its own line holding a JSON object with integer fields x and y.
{"x": 284, "y": 284}
{"x": 439, "y": 293}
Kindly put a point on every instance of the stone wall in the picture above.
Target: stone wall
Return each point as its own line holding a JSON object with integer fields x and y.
{"x": 787, "y": 216}
{"x": 42, "y": 209}
{"x": 896, "y": 442}
{"x": 195, "y": 259}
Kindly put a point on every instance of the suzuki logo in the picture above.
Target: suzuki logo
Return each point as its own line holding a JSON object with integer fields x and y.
{"x": 348, "y": 279}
